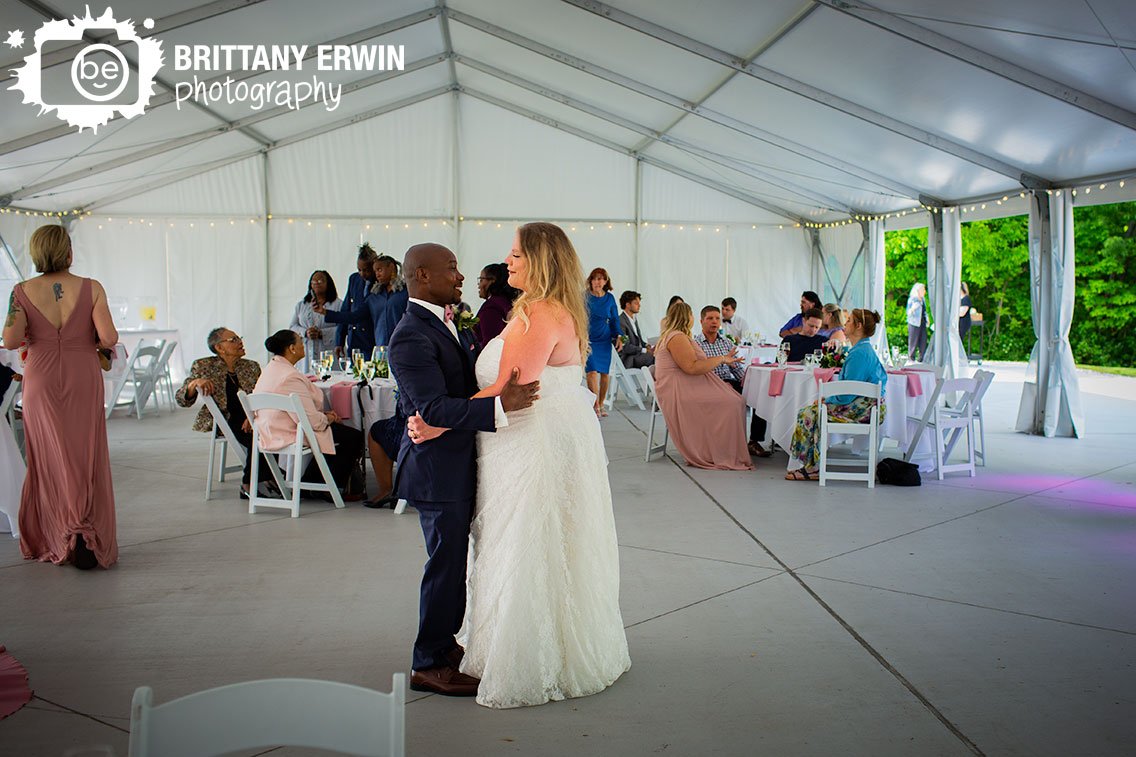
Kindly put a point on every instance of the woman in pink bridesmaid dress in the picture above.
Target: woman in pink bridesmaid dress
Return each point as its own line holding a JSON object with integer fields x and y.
{"x": 67, "y": 504}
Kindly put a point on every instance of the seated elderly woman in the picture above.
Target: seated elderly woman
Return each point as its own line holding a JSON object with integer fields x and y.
{"x": 704, "y": 415}
{"x": 221, "y": 377}
{"x": 861, "y": 364}
{"x": 342, "y": 444}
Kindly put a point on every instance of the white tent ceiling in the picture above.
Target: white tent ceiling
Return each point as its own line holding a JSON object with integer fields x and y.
{"x": 803, "y": 110}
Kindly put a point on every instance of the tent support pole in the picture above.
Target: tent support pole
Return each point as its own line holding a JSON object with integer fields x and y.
{"x": 455, "y": 126}
{"x": 638, "y": 218}
{"x": 267, "y": 250}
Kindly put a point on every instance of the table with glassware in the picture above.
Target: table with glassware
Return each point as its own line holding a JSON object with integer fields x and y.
{"x": 801, "y": 388}
{"x": 758, "y": 353}
{"x": 368, "y": 401}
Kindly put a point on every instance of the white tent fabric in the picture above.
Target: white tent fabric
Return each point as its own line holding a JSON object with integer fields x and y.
{"x": 1051, "y": 397}
{"x": 944, "y": 272}
{"x": 875, "y": 294}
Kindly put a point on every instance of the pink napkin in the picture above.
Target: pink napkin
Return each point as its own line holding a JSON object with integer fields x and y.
{"x": 823, "y": 374}
{"x": 341, "y": 399}
{"x": 777, "y": 380}
{"x": 914, "y": 384}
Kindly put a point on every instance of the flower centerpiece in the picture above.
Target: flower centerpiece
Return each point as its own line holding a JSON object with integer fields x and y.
{"x": 833, "y": 357}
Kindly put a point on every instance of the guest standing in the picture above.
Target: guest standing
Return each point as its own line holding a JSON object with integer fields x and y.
{"x": 860, "y": 364}
{"x": 358, "y": 335}
{"x": 67, "y": 503}
{"x": 308, "y": 318}
{"x": 917, "y": 322}
{"x": 221, "y": 377}
{"x": 342, "y": 444}
{"x": 636, "y": 352}
{"x": 964, "y": 315}
{"x": 809, "y": 301}
{"x": 703, "y": 414}
{"x": 383, "y": 307}
{"x": 603, "y": 330}
{"x": 493, "y": 287}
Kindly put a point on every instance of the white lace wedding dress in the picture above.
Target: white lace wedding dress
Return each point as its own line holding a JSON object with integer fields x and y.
{"x": 543, "y": 620}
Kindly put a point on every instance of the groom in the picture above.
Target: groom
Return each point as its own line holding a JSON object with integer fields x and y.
{"x": 434, "y": 366}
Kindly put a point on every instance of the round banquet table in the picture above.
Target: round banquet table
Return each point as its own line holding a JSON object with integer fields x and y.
{"x": 376, "y": 400}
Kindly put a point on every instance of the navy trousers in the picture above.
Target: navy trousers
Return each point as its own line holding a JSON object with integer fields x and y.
{"x": 441, "y": 608}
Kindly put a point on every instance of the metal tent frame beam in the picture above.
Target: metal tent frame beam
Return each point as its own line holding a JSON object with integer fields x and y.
{"x": 810, "y": 92}
{"x": 921, "y": 35}
{"x": 649, "y": 134}
{"x": 662, "y": 96}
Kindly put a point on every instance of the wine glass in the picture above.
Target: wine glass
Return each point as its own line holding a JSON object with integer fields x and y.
{"x": 344, "y": 364}
{"x": 782, "y": 355}
{"x": 375, "y": 354}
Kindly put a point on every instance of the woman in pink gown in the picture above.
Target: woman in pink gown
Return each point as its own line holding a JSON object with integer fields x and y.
{"x": 703, "y": 413}
{"x": 67, "y": 504}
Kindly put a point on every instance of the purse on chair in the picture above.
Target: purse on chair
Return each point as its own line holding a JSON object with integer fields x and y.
{"x": 106, "y": 355}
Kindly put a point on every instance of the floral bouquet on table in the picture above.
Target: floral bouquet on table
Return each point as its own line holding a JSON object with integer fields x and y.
{"x": 366, "y": 371}
{"x": 833, "y": 357}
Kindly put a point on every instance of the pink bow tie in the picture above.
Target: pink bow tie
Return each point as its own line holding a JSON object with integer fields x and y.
{"x": 449, "y": 313}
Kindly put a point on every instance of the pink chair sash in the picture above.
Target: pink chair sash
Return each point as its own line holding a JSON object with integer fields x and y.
{"x": 341, "y": 399}
{"x": 777, "y": 380}
{"x": 823, "y": 374}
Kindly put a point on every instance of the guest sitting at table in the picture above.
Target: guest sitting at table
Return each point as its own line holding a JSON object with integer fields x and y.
{"x": 493, "y": 287}
{"x": 702, "y": 413}
{"x": 733, "y": 325}
{"x": 809, "y": 300}
{"x": 809, "y": 338}
{"x": 221, "y": 377}
{"x": 636, "y": 352}
{"x": 308, "y": 317}
{"x": 713, "y": 345}
{"x": 342, "y": 444}
{"x": 861, "y": 364}
{"x": 832, "y": 326}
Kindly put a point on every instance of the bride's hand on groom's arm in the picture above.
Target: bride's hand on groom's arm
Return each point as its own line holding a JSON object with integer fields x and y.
{"x": 518, "y": 396}
{"x": 421, "y": 431}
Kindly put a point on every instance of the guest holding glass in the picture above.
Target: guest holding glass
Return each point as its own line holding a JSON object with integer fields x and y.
{"x": 221, "y": 377}
{"x": 493, "y": 287}
{"x": 917, "y": 321}
{"x": 794, "y": 325}
{"x": 383, "y": 307}
{"x": 67, "y": 501}
{"x": 342, "y": 444}
{"x": 832, "y": 326}
{"x": 308, "y": 318}
{"x": 603, "y": 330}
{"x": 860, "y": 364}
{"x": 808, "y": 339}
{"x": 703, "y": 414}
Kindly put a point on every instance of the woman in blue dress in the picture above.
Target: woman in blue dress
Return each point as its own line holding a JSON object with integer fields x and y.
{"x": 603, "y": 331}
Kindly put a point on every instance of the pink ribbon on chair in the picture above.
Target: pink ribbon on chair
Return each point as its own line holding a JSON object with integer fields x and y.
{"x": 823, "y": 374}
{"x": 914, "y": 382}
{"x": 341, "y": 399}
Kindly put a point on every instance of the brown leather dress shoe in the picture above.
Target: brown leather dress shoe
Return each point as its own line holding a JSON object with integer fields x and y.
{"x": 455, "y": 656}
{"x": 446, "y": 681}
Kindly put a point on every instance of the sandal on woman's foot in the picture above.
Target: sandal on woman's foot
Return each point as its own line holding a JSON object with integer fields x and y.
{"x": 799, "y": 475}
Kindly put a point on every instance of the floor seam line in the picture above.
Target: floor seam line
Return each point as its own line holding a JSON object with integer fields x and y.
{"x": 974, "y": 605}
{"x": 696, "y": 557}
{"x": 701, "y": 601}
{"x": 864, "y": 643}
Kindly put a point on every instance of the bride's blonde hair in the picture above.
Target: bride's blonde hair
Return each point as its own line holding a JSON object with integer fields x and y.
{"x": 553, "y": 275}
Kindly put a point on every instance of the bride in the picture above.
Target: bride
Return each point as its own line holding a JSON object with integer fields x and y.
{"x": 543, "y": 620}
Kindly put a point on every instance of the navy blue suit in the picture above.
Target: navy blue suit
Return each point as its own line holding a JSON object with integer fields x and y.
{"x": 359, "y": 335}
{"x": 439, "y": 477}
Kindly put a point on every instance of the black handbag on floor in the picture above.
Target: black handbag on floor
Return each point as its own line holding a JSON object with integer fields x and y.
{"x": 897, "y": 472}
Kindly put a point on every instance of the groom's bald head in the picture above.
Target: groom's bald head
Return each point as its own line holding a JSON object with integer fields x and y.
{"x": 432, "y": 274}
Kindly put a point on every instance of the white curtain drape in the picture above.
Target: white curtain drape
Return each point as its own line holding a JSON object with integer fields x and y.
{"x": 1051, "y": 396}
{"x": 875, "y": 293}
{"x": 944, "y": 272}
{"x": 842, "y": 273}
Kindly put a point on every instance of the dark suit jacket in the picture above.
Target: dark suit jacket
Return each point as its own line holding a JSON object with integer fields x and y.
{"x": 435, "y": 378}
{"x": 358, "y": 334}
{"x": 801, "y": 345}
{"x": 634, "y": 342}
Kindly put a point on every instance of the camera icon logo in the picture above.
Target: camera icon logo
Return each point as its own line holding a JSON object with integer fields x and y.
{"x": 88, "y": 84}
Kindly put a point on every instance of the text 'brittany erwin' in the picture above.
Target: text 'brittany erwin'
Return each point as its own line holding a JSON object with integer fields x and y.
{"x": 288, "y": 57}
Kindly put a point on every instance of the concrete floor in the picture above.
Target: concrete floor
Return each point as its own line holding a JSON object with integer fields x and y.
{"x": 994, "y": 615}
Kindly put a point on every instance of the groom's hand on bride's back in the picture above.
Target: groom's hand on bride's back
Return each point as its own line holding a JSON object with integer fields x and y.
{"x": 518, "y": 396}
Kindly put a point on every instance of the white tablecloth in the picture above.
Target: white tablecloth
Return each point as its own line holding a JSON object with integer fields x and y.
{"x": 801, "y": 390}
{"x": 762, "y": 353}
{"x": 378, "y": 400}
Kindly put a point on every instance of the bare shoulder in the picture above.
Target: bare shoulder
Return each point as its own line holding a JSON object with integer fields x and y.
{"x": 547, "y": 312}
{"x": 97, "y": 290}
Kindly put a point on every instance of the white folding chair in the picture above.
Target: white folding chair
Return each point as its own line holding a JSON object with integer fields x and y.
{"x": 656, "y": 414}
{"x": 163, "y": 380}
{"x": 946, "y": 424}
{"x": 141, "y": 375}
{"x": 871, "y": 429}
{"x": 115, "y": 399}
{"x": 621, "y": 379}
{"x": 306, "y": 444}
{"x": 222, "y": 436}
{"x": 985, "y": 379}
{"x": 252, "y": 715}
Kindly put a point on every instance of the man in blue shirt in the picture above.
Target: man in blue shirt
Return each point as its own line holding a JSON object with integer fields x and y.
{"x": 809, "y": 300}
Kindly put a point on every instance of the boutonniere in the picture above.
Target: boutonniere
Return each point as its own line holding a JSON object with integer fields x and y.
{"x": 464, "y": 321}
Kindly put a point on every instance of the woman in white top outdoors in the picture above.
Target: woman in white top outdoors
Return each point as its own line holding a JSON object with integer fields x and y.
{"x": 318, "y": 334}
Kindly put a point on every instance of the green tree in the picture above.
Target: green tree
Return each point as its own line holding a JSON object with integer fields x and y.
{"x": 1105, "y": 312}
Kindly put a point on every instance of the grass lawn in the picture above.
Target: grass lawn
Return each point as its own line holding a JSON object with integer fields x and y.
{"x": 1110, "y": 369}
